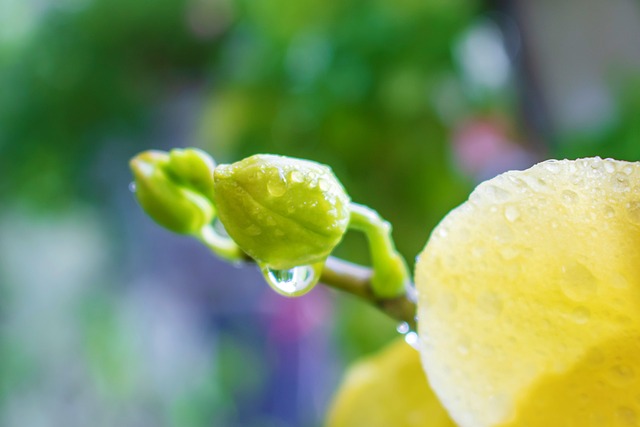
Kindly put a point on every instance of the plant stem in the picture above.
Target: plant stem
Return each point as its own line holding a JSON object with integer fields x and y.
{"x": 356, "y": 280}
{"x": 222, "y": 246}
{"x": 390, "y": 273}
{"x": 386, "y": 286}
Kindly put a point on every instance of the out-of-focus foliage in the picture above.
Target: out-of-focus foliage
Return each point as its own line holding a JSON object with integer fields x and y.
{"x": 88, "y": 73}
{"x": 619, "y": 139}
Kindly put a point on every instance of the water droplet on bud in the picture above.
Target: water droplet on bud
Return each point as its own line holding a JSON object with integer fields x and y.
{"x": 132, "y": 187}
{"x": 294, "y": 281}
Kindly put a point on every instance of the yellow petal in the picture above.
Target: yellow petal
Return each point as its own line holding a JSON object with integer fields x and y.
{"x": 388, "y": 389}
{"x": 529, "y": 299}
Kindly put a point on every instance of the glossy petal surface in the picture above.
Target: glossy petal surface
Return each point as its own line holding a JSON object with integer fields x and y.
{"x": 529, "y": 299}
{"x": 388, "y": 389}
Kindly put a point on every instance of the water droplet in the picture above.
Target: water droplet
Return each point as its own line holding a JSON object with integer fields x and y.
{"x": 132, "y": 187}
{"x": 618, "y": 281}
{"x": 569, "y": 196}
{"x": 621, "y": 183}
{"x": 294, "y": 281}
{"x": 412, "y": 339}
{"x": 490, "y": 303}
{"x": 509, "y": 252}
{"x": 595, "y": 356}
{"x": 253, "y": 230}
{"x": 511, "y": 213}
{"x": 581, "y": 315}
{"x": 578, "y": 282}
{"x": 621, "y": 375}
{"x": 464, "y": 345}
{"x": 552, "y": 166}
{"x": 497, "y": 193}
{"x": 627, "y": 170}
{"x": 478, "y": 251}
{"x": 277, "y": 187}
{"x": 500, "y": 408}
{"x": 609, "y": 212}
{"x": 218, "y": 226}
{"x": 323, "y": 184}
{"x": 296, "y": 176}
{"x": 633, "y": 209}
{"x": 403, "y": 328}
{"x": 627, "y": 415}
{"x": 609, "y": 167}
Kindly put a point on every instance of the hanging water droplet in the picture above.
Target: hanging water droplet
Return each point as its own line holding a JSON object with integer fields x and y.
{"x": 295, "y": 281}
{"x": 403, "y": 328}
{"x": 132, "y": 187}
{"x": 412, "y": 339}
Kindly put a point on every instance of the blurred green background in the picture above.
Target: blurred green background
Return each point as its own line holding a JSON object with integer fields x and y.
{"x": 108, "y": 320}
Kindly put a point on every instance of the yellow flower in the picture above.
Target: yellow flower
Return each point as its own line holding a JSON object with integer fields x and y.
{"x": 529, "y": 299}
{"x": 388, "y": 389}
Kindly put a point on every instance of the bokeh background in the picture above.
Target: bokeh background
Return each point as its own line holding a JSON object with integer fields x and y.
{"x": 108, "y": 320}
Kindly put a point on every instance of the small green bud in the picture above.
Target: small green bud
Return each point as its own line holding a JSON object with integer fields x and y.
{"x": 283, "y": 212}
{"x": 194, "y": 168}
{"x": 167, "y": 198}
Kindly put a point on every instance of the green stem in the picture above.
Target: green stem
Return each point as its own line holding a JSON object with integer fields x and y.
{"x": 356, "y": 280}
{"x": 390, "y": 273}
{"x": 222, "y": 246}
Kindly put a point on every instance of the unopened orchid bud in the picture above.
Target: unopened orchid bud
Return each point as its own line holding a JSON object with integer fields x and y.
{"x": 172, "y": 200}
{"x": 283, "y": 212}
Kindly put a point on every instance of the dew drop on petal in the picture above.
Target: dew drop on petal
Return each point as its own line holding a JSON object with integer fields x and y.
{"x": 511, "y": 213}
{"x": 621, "y": 375}
{"x": 627, "y": 415}
{"x": 609, "y": 167}
{"x": 578, "y": 282}
{"x": 581, "y": 315}
{"x": 569, "y": 196}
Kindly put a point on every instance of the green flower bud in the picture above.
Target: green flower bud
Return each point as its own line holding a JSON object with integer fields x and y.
{"x": 167, "y": 198}
{"x": 283, "y": 212}
{"x": 194, "y": 168}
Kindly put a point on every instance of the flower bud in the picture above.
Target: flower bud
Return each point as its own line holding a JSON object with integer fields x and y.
{"x": 194, "y": 168}
{"x": 167, "y": 198}
{"x": 283, "y": 212}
